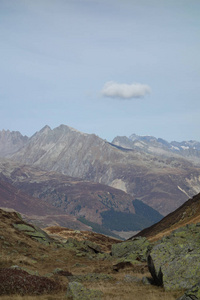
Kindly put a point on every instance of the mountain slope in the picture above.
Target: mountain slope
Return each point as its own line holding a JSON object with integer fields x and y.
{"x": 188, "y": 213}
{"x": 163, "y": 182}
{"x": 35, "y": 210}
{"x": 67, "y": 256}
{"x": 83, "y": 201}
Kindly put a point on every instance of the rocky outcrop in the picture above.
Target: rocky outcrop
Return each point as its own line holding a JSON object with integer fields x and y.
{"x": 131, "y": 250}
{"x": 77, "y": 291}
{"x": 34, "y": 232}
{"x": 192, "y": 294}
{"x": 174, "y": 261}
{"x": 83, "y": 246}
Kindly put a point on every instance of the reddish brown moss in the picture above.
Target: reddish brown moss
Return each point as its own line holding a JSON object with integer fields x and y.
{"x": 14, "y": 281}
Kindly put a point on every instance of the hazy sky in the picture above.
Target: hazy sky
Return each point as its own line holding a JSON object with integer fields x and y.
{"x": 109, "y": 67}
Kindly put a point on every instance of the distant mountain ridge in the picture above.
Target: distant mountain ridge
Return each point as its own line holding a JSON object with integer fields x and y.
{"x": 150, "y": 144}
{"x": 160, "y": 178}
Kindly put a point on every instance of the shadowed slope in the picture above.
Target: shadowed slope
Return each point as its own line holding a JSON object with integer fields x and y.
{"x": 188, "y": 213}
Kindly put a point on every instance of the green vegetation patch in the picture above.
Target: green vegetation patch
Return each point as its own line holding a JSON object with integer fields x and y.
{"x": 116, "y": 220}
{"x": 146, "y": 211}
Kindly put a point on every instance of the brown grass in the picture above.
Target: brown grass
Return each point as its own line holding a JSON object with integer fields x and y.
{"x": 21, "y": 250}
{"x": 115, "y": 291}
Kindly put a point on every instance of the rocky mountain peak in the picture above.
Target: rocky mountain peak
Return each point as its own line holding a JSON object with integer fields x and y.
{"x": 11, "y": 141}
{"x": 46, "y": 128}
{"x": 67, "y": 129}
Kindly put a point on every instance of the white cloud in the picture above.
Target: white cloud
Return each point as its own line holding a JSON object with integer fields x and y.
{"x": 125, "y": 91}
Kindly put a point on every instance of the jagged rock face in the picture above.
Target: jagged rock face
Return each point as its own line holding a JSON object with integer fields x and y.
{"x": 10, "y": 142}
{"x": 163, "y": 182}
{"x": 174, "y": 261}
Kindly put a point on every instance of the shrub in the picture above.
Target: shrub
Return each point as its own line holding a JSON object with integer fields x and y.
{"x": 14, "y": 281}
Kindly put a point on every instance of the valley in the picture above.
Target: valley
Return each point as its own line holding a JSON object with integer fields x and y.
{"x": 48, "y": 198}
{"x": 67, "y": 199}
{"x": 61, "y": 263}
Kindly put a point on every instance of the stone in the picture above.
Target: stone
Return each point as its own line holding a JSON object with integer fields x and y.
{"x": 192, "y": 294}
{"x": 147, "y": 281}
{"x": 77, "y": 291}
{"x": 34, "y": 232}
{"x": 131, "y": 250}
{"x": 82, "y": 247}
{"x": 174, "y": 261}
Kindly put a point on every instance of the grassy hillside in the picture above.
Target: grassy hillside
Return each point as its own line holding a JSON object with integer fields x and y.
{"x": 188, "y": 213}
{"x": 64, "y": 255}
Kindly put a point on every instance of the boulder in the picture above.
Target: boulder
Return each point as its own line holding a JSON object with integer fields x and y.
{"x": 174, "y": 261}
{"x": 83, "y": 246}
{"x": 131, "y": 250}
{"x": 34, "y": 232}
{"x": 147, "y": 280}
{"x": 192, "y": 294}
{"x": 77, "y": 291}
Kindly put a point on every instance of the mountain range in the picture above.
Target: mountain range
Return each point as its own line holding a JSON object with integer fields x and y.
{"x": 163, "y": 180}
{"x": 150, "y": 144}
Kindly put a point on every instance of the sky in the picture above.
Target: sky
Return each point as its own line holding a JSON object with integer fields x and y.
{"x": 109, "y": 67}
